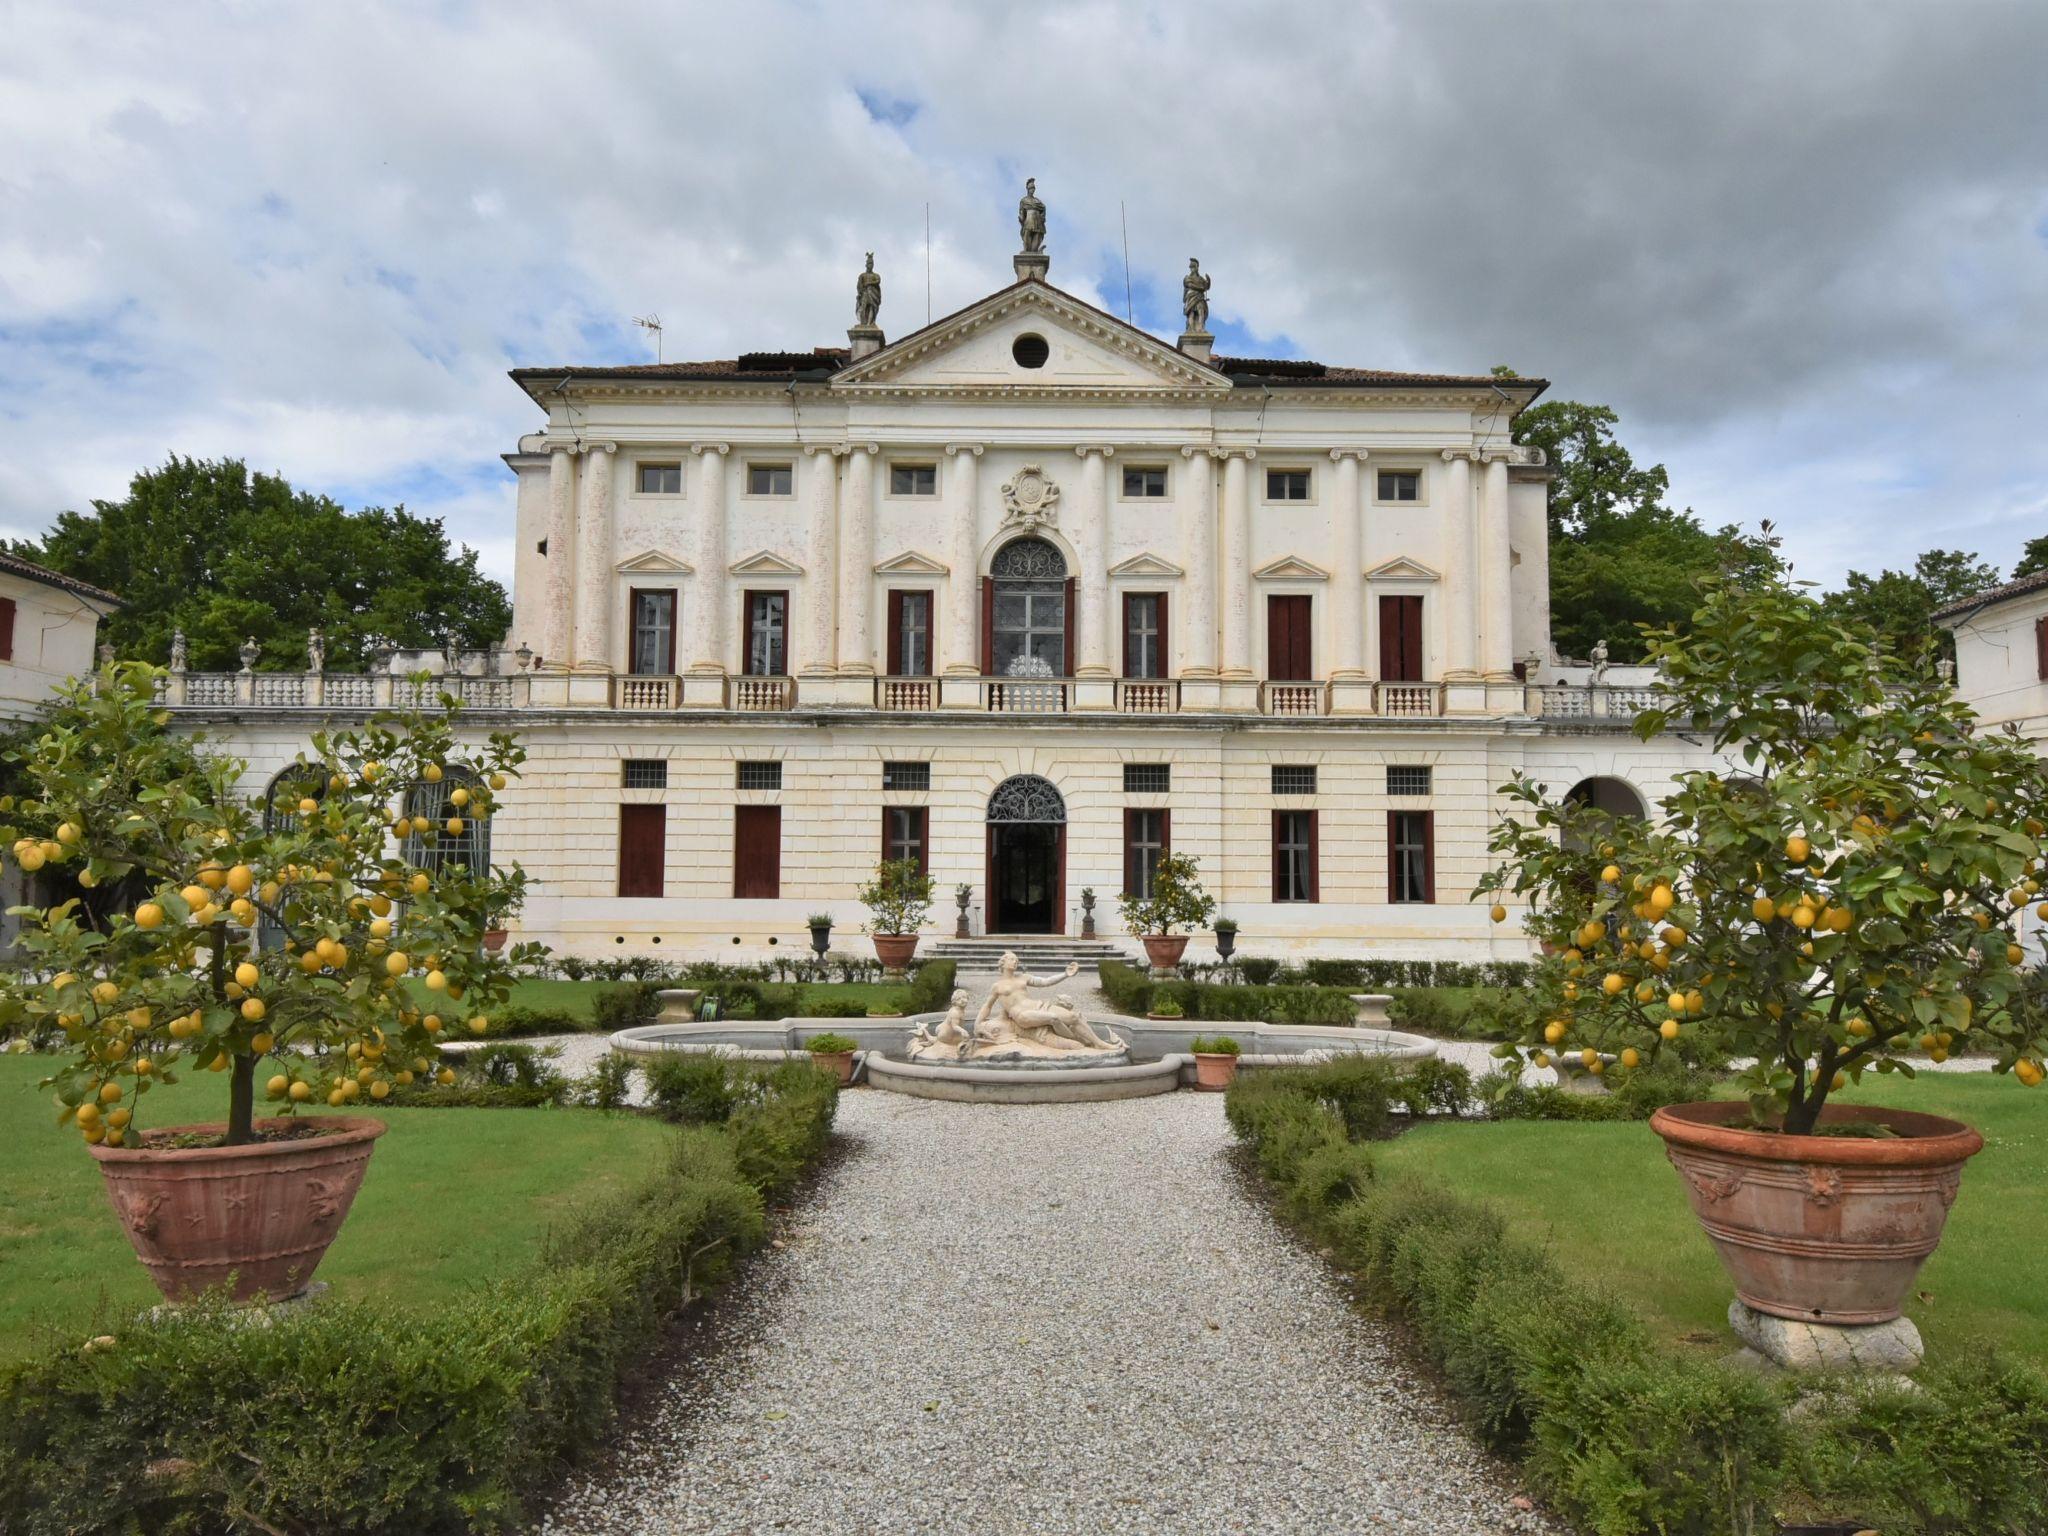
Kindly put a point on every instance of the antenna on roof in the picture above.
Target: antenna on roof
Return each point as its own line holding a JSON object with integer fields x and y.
{"x": 927, "y": 263}
{"x": 1123, "y": 220}
{"x": 651, "y": 323}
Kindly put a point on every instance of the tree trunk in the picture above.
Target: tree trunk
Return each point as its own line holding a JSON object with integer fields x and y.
{"x": 241, "y": 1100}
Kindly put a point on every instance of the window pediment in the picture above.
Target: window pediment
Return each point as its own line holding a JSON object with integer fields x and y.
{"x": 1146, "y": 564}
{"x": 1402, "y": 569}
{"x": 653, "y": 562}
{"x": 764, "y": 562}
{"x": 1291, "y": 568}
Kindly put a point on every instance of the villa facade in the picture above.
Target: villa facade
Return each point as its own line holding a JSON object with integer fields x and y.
{"x": 1029, "y": 595}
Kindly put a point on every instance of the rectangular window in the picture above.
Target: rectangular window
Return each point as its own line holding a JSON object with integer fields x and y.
{"x": 661, "y": 480}
{"x": 2040, "y": 641}
{"x": 644, "y": 773}
{"x": 643, "y": 849}
{"x": 910, "y": 634}
{"x": 1148, "y": 778}
{"x": 1411, "y": 856}
{"x": 771, "y": 480}
{"x": 903, "y": 835}
{"x": 654, "y": 632}
{"x": 906, "y": 776}
{"x": 6, "y": 629}
{"x": 1145, "y": 843}
{"x": 1144, "y": 634}
{"x": 1144, "y": 482}
{"x": 1407, "y": 781}
{"x": 913, "y": 479}
{"x": 758, "y": 775}
{"x": 1287, "y": 484}
{"x": 1294, "y": 855}
{"x": 1294, "y": 778}
{"x": 1288, "y": 657}
{"x": 1401, "y": 639}
{"x": 767, "y": 636}
{"x": 1400, "y": 485}
{"x": 756, "y": 852}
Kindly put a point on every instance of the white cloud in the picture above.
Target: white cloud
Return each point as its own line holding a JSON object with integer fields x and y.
{"x": 1801, "y": 250}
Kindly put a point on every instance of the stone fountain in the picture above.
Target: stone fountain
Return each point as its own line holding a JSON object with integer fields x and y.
{"x": 1011, "y": 1030}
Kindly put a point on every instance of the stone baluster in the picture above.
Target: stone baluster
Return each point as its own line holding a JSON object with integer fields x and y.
{"x": 857, "y": 562}
{"x": 592, "y": 632}
{"x": 1197, "y": 625}
{"x": 820, "y": 643}
{"x": 708, "y": 635}
{"x": 1461, "y": 570}
{"x": 1091, "y": 547}
{"x": 1347, "y": 580}
{"x": 963, "y": 581}
{"x": 557, "y": 626}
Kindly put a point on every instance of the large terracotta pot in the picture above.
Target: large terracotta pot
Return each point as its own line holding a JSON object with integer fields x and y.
{"x": 1827, "y": 1229}
{"x": 494, "y": 938}
{"x": 1214, "y": 1071}
{"x": 838, "y": 1063}
{"x": 895, "y": 951}
{"x": 257, "y": 1218}
{"x": 1164, "y": 949}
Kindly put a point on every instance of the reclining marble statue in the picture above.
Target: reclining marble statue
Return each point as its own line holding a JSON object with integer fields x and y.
{"x": 1011, "y": 1026}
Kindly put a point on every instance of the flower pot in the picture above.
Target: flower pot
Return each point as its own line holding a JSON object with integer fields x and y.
{"x": 838, "y": 1063}
{"x": 1164, "y": 950}
{"x": 1827, "y": 1229}
{"x": 895, "y": 951}
{"x": 494, "y": 939}
{"x": 1215, "y": 1071}
{"x": 1226, "y": 943}
{"x": 821, "y": 938}
{"x": 257, "y": 1218}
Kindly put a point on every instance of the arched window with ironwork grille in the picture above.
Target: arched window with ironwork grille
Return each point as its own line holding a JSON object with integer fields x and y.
{"x": 288, "y": 788}
{"x": 470, "y": 848}
{"x": 1028, "y": 627}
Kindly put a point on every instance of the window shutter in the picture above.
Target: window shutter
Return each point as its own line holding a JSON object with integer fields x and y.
{"x": 1288, "y": 657}
{"x": 888, "y": 818}
{"x": 1400, "y": 639}
{"x": 747, "y": 600}
{"x": 643, "y": 837}
{"x": 895, "y": 634}
{"x": 921, "y": 824}
{"x": 1165, "y": 833}
{"x": 1276, "y": 637}
{"x": 1429, "y": 856}
{"x": 1393, "y": 856}
{"x": 988, "y": 624}
{"x": 1315, "y": 856}
{"x": 1127, "y": 672}
{"x": 1130, "y": 848}
{"x": 1165, "y": 667}
{"x": 1279, "y": 887}
{"x": 1067, "y": 614}
{"x": 6, "y": 629}
{"x": 2040, "y": 640}
{"x": 757, "y": 852}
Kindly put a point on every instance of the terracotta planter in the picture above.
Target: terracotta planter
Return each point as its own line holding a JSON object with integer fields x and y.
{"x": 895, "y": 951}
{"x": 838, "y": 1063}
{"x": 1215, "y": 1071}
{"x": 1826, "y": 1229}
{"x": 256, "y": 1218}
{"x": 1164, "y": 950}
{"x": 494, "y": 939}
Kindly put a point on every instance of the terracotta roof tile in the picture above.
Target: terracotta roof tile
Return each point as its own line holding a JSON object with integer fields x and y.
{"x": 2019, "y": 588}
{"x": 33, "y": 572}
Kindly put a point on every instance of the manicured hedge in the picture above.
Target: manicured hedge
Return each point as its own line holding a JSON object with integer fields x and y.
{"x": 1624, "y": 1437}
{"x": 634, "y": 1002}
{"x": 1130, "y": 991}
{"x": 344, "y": 1416}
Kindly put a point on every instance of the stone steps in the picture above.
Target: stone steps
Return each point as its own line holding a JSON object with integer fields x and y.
{"x": 982, "y": 956}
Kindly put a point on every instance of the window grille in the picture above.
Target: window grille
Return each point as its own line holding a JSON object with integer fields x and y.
{"x": 645, "y": 773}
{"x": 1294, "y": 779}
{"x": 1407, "y": 781}
{"x": 760, "y": 776}
{"x": 1148, "y": 778}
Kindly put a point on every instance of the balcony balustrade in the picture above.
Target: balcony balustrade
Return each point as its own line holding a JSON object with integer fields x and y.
{"x": 907, "y": 695}
{"x": 1025, "y": 695}
{"x": 646, "y": 692}
{"x": 1148, "y": 696}
{"x": 760, "y": 695}
{"x": 1409, "y": 701}
{"x": 1593, "y": 703}
{"x": 1294, "y": 699}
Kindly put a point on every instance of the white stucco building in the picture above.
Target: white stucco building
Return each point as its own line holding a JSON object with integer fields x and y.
{"x": 1029, "y": 594}
{"x": 49, "y": 627}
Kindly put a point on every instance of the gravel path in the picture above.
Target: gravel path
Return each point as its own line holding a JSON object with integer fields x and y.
{"x": 1040, "y": 1319}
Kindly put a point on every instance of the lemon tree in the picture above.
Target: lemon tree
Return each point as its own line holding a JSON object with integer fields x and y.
{"x": 1841, "y": 899}
{"x": 270, "y": 943}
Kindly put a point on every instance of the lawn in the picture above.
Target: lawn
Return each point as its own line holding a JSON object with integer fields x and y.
{"x": 452, "y": 1196}
{"x": 1610, "y": 1207}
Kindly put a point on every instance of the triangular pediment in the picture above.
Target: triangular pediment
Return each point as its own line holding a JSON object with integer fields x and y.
{"x": 1147, "y": 564}
{"x": 910, "y": 563}
{"x": 1402, "y": 569}
{"x": 1291, "y": 568}
{"x": 1088, "y": 349}
{"x": 764, "y": 562}
{"x": 653, "y": 562}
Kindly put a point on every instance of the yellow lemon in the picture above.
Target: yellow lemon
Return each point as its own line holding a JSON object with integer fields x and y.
{"x": 149, "y": 915}
{"x": 1668, "y": 1029}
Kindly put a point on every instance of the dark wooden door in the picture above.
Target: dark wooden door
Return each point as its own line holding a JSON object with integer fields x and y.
{"x": 1401, "y": 639}
{"x": 643, "y": 849}
{"x": 1025, "y": 879}
{"x": 1288, "y": 657}
{"x": 757, "y": 852}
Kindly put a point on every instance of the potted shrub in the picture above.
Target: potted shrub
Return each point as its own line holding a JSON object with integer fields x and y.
{"x": 1177, "y": 902}
{"x": 898, "y": 900}
{"x": 1837, "y": 905}
{"x": 172, "y": 979}
{"x": 1215, "y": 1062}
{"x": 1166, "y": 1009}
{"x": 1226, "y": 938}
{"x": 821, "y": 933}
{"x": 834, "y": 1054}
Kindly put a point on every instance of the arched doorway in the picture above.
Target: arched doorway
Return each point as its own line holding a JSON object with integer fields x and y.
{"x": 1611, "y": 797}
{"x": 1030, "y": 612}
{"x": 1027, "y": 857}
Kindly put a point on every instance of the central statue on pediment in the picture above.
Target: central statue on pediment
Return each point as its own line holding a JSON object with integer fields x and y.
{"x": 1031, "y": 218}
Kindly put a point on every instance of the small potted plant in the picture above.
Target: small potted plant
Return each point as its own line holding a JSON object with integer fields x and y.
{"x": 1226, "y": 938}
{"x": 1177, "y": 902}
{"x": 898, "y": 899}
{"x": 503, "y": 905}
{"x": 821, "y": 933}
{"x": 1166, "y": 1009}
{"x": 833, "y": 1053}
{"x": 1215, "y": 1062}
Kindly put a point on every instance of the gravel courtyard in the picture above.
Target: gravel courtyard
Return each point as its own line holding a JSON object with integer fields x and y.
{"x": 1040, "y": 1319}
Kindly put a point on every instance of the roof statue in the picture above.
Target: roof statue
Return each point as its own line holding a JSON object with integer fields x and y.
{"x": 867, "y": 295}
{"x": 1031, "y": 218}
{"x": 1194, "y": 297}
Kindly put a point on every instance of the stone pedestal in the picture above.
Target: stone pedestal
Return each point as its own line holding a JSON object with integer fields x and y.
{"x": 863, "y": 341}
{"x": 678, "y": 1005}
{"x": 1237, "y": 695}
{"x": 1200, "y": 345}
{"x": 590, "y": 688}
{"x": 702, "y": 690}
{"x": 1095, "y": 695}
{"x": 1880, "y": 1348}
{"x": 1372, "y": 1009}
{"x": 1574, "y": 1076}
{"x": 1031, "y": 264}
{"x": 1200, "y": 695}
{"x": 1464, "y": 696}
{"x": 1351, "y": 696}
{"x": 549, "y": 688}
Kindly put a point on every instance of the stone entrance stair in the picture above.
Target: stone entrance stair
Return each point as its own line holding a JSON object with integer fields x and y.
{"x": 1040, "y": 953}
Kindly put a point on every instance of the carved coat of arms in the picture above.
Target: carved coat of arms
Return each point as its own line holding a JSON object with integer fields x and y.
{"x": 1030, "y": 500}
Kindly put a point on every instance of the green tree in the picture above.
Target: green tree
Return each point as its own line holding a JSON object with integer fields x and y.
{"x": 1898, "y": 605}
{"x": 207, "y": 547}
{"x": 2033, "y": 559}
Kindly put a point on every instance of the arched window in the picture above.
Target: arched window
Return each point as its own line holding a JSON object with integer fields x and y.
{"x": 1026, "y": 798}
{"x": 281, "y": 796}
{"x": 1028, "y": 617}
{"x": 470, "y": 848}
{"x": 1611, "y": 798}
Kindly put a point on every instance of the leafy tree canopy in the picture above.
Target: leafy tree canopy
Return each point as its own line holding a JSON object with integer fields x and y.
{"x": 208, "y": 547}
{"x": 1898, "y": 605}
{"x": 2033, "y": 559}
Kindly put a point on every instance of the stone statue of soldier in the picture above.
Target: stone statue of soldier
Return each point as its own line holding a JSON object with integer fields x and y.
{"x": 1031, "y": 218}
{"x": 1194, "y": 297}
{"x": 316, "y": 651}
{"x": 867, "y": 295}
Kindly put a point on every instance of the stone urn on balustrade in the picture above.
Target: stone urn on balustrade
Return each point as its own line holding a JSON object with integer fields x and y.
{"x": 256, "y": 1218}
{"x": 1829, "y": 1228}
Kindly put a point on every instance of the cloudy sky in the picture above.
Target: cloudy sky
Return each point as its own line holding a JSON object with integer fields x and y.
{"x": 1802, "y": 247}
